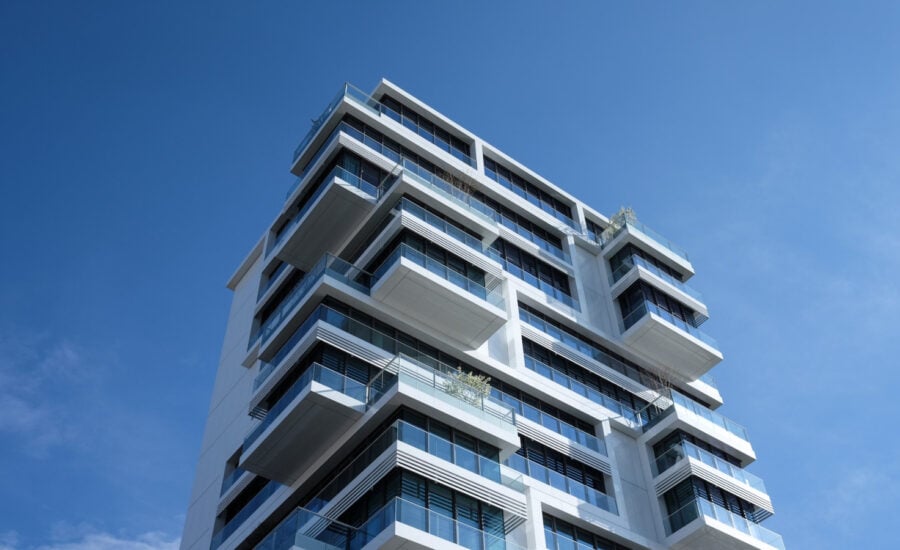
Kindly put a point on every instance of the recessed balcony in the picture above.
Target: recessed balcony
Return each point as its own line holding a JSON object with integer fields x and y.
{"x": 331, "y": 215}
{"x": 439, "y": 297}
{"x": 665, "y": 338}
{"x": 312, "y": 413}
{"x": 702, "y": 525}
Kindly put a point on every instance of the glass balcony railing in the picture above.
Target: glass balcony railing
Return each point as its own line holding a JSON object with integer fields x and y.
{"x": 566, "y": 484}
{"x": 317, "y": 123}
{"x": 406, "y": 205}
{"x": 701, "y": 507}
{"x": 231, "y": 479}
{"x": 438, "y": 184}
{"x": 646, "y": 307}
{"x": 252, "y": 506}
{"x": 633, "y": 261}
{"x": 635, "y": 226}
{"x": 553, "y": 424}
{"x": 493, "y": 296}
{"x": 530, "y": 235}
{"x": 331, "y": 533}
{"x": 314, "y": 373}
{"x": 407, "y": 433}
{"x": 634, "y": 418}
{"x": 551, "y": 291}
{"x": 445, "y": 385}
{"x": 686, "y": 449}
{"x": 336, "y": 172}
{"x": 714, "y": 417}
{"x": 329, "y": 265}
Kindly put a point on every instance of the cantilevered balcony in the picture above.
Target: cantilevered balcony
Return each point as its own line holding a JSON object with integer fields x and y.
{"x": 400, "y": 524}
{"x": 438, "y": 296}
{"x": 686, "y": 459}
{"x": 562, "y": 483}
{"x": 702, "y": 525}
{"x": 630, "y": 230}
{"x": 670, "y": 340}
{"x": 311, "y": 414}
{"x": 636, "y": 267}
{"x": 331, "y": 214}
{"x": 438, "y": 391}
{"x": 681, "y": 412}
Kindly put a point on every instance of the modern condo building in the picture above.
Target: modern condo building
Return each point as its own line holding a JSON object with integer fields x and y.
{"x": 431, "y": 346}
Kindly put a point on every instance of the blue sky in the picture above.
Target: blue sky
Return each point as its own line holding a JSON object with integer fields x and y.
{"x": 145, "y": 147}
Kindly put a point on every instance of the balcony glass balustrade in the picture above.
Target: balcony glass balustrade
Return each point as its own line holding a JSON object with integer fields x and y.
{"x": 646, "y": 307}
{"x": 334, "y": 534}
{"x": 631, "y": 417}
{"x": 442, "y": 225}
{"x": 634, "y": 260}
{"x": 566, "y": 484}
{"x": 701, "y": 507}
{"x": 554, "y": 424}
{"x": 314, "y": 373}
{"x": 443, "y": 383}
{"x": 596, "y": 353}
{"x": 687, "y": 449}
{"x": 375, "y": 191}
{"x": 679, "y": 400}
{"x": 231, "y": 479}
{"x": 611, "y": 233}
{"x": 238, "y": 519}
{"x": 493, "y": 296}
{"x": 548, "y": 289}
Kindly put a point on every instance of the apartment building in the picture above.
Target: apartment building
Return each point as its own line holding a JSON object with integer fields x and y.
{"x": 432, "y": 346}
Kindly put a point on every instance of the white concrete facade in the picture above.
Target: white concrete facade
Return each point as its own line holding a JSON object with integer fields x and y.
{"x": 409, "y": 253}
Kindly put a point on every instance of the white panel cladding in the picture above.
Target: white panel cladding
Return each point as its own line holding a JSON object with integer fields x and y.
{"x": 690, "y": 467}
{"x": 592, "y": 365}
{"x": 562, "y": 444}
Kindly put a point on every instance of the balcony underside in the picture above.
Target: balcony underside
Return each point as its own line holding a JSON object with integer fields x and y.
{"x": 705, "y": 533}
{"x": 314, "y": 421}
{"x": 659, "y": 340}
{"x": 440, "y": 305}
{"x": 399, "y": 536}
{"x": 328, "y": 223}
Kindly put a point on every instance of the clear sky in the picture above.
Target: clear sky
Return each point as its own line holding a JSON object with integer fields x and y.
{"x": 145, "y": 146}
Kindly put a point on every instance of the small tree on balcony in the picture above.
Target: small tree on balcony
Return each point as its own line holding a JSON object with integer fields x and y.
{"x": 470, "y": 387}
{"x": 617, "y": 222}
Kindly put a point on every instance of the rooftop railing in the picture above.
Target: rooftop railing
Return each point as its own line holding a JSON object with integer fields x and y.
{"x": 686, "y": 449}
{"x": 701, "y": 507}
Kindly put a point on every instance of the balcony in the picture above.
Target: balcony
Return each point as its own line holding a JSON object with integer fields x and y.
{"x": 702, "y": 525}
{"x": 686, "y": 414}
{"x": 337, "y": 206}
{"x": 635, "y": 268}
{"x": 400, "y": 524}
{"x": 629, "y": 229}
{"x": 665, "y": 338}
{"x": 438, "y": 391}
{"x": 439, "y": 297}
{"x": 562, "y": 483}
{"x": 316, "y": 410}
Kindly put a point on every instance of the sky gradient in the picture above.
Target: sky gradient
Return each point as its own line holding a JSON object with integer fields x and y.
{"x": 146, "y": 146}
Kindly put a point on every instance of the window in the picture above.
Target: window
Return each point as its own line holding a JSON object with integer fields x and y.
{"x": 528, "y": 191}
{"x": 533, "y": 271}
